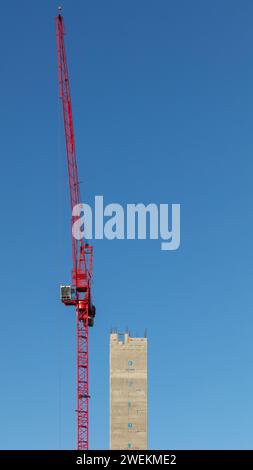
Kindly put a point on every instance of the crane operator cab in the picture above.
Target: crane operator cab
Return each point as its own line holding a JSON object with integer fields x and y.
{"x": 69, "y": 297}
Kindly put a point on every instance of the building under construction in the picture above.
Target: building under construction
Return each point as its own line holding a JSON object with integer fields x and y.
{"x": 128, "y": 356}
{"x": 128, "y": 392}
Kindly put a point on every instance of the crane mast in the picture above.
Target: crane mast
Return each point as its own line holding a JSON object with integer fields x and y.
{"x": 77, "y": 294}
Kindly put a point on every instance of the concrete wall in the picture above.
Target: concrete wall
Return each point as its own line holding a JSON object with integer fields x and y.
{"x": 128, "y": 392}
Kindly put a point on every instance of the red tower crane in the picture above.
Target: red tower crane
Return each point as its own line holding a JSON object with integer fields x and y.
{"x": 77, "y": 294}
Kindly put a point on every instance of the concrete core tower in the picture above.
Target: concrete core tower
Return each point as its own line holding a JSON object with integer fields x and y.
{"x": 128, "y": 392}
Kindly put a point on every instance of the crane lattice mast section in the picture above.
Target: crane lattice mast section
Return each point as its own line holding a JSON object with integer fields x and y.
{"x": 77, "y": 294}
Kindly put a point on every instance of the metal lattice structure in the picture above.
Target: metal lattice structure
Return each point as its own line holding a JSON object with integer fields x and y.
{"x": 77, "y": 294}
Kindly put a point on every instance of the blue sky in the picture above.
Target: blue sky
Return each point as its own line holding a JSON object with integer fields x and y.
{"x": 163, "y": 112}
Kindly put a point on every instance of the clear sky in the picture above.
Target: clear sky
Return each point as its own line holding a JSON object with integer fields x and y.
{"x": 162, "y": 97}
